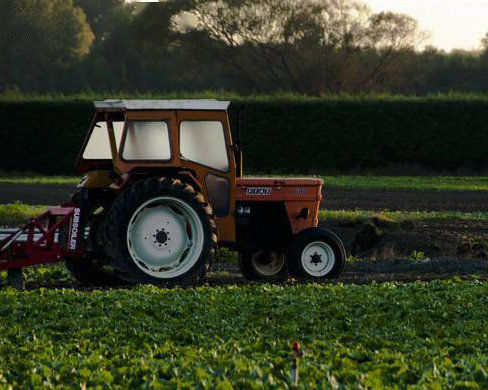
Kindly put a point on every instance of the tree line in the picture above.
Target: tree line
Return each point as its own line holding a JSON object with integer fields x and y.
{"x": 247, "y": 46}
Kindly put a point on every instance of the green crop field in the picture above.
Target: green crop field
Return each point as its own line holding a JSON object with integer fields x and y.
{"x": 420, "y": 336}
{"x": 38, "y": 179}
{"x": 454, "y": 183}
{"x": 398, "y": 216}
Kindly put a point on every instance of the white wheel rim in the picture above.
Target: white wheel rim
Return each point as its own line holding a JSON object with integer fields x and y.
{"x": 269, "y": 268}
{"x": 318, "y": 259}
{"x": 165, "y": 237}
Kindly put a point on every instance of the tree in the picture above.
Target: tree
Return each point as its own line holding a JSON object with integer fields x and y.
{"x": 484, "y": 42}
{"x": 303, "y": 46}
{"x": 49, "y": 36}
{"x": 103, "y": 16}
{"x": 389, "y": 35}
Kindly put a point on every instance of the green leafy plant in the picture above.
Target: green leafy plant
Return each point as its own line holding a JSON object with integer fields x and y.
{"x": 419, "y": 335}
{"x": 417, "y": 256}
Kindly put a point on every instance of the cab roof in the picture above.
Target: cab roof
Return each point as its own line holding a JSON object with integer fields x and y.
{"x": 191, "y": 104}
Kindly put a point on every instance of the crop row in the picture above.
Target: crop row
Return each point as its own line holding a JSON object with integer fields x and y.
{"x": 423, "y": 335}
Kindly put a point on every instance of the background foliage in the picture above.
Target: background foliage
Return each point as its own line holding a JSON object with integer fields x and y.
{"x": 263, "y": 46}
{"x": 305, "y": 135}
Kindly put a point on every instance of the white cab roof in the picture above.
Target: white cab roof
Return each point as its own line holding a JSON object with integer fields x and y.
{"x": 192, "y": 104}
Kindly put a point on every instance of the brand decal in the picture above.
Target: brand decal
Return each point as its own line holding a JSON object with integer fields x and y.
{"x": 75, "y": 228}
{"x": 266, "y": 191}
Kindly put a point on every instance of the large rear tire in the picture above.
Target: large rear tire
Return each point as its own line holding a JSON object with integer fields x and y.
{"x": 263, "y": 265}
{"x": 316, "y": 253}
{"x": 88, "y": 273}
{"x": 161, "y": 231}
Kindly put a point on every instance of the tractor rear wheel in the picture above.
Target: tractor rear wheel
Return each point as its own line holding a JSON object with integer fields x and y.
{"x": 263, "y": 265}
{"x": 89, "y": 271}
{"x": 316, "y": 253}
{"x": 161, "y": 231}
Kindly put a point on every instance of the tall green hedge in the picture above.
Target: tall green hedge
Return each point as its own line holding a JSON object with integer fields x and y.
{"x": 282, "y": 135}
{"x": 42, "y": 137}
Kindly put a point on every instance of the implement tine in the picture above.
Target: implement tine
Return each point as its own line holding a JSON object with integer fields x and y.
{"x": 11, "y": 239}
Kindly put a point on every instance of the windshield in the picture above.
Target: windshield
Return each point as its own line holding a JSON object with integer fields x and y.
{"x": 98, "y": 146}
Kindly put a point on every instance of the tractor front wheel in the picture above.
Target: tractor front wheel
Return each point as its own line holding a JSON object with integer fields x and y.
{"x": 161, "y": 231}
{"x": 316, "y": 253}
{"x": 263, "y": 265}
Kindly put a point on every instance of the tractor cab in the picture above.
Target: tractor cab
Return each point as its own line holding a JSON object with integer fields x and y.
{"x": 132, "y": 139}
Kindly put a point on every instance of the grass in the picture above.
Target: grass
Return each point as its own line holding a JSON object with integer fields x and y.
{"x": 399, "y": 216}
{"x": 420, "y": 335}
{"x": 15, "y": 214}
{"x": 437, "y": 183}
{"x": 19, "y": 178}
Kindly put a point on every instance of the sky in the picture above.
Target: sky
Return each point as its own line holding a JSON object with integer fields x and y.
{"x": 452, "y": 24}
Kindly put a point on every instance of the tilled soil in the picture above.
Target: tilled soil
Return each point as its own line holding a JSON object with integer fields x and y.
{"x": 35, "y": 194}
{"x": 433, "y": 238}
{"x": 368, "y": 271}
{"x": 409, "y": 200}
{"x": 357, "y": 272}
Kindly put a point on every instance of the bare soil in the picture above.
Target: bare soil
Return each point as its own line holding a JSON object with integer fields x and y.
{"x": 409, "y": 200}
{"x": 358, "y": 272}
{"x": 433, "y": 238}
{"x": 368, "y": 271}
{"x": 42, "y": 194}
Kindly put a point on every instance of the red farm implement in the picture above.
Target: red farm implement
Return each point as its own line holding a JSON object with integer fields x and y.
{"x": 49, "y": 238}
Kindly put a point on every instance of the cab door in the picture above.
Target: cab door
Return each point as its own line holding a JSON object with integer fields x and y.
{"x": 205, "y": 146}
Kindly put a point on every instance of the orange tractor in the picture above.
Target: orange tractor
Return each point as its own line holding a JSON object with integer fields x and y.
{"x": 162, "y": 190}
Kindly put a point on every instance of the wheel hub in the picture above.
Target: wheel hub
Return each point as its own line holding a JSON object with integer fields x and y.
{"x": 318, "y": 259}
{"x": 160, "y": 237}
{"x": 267, "y": 264}
{"x": 265, "y": 258}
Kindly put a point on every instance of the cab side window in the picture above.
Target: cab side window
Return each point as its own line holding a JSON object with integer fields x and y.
{"x": 147, "y": 140}
{"x": 203, "y": 142}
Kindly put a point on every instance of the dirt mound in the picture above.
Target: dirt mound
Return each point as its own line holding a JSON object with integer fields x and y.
{"x": 432, "y": 238}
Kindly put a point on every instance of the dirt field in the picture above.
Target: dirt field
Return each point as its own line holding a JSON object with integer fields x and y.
{"x": 368, "y": 271}
{"x": 358, "y": 272}
{"x": 409, "y": 200}
{"x": 35, "y": 194}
